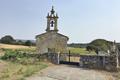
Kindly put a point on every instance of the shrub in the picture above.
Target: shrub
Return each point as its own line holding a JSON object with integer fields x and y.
{"x": 9, "y": 55}
{"x": 20, "y": 57}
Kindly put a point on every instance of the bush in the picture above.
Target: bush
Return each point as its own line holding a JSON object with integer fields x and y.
{"x": 9, "y": 55}
{"x": 99, "y": 45}
{"x": 20, "y": 57}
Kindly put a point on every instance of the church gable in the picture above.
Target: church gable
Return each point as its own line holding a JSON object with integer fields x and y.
{"x": 52, "y": 34}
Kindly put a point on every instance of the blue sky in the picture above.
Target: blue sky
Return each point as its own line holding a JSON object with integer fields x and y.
{"x": 81, "y": 20}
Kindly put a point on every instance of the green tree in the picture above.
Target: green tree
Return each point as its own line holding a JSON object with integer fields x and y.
{"x": 99, "y": 45}
{"x": 7, "y": 39}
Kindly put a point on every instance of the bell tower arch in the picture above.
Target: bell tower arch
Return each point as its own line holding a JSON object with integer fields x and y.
{"x": 52, "y": 21}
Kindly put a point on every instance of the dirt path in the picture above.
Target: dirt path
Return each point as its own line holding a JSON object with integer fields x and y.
{"x": 64, "y": 72}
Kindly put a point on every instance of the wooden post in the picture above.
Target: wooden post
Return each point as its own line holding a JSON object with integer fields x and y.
{"x": 69, "y": 55}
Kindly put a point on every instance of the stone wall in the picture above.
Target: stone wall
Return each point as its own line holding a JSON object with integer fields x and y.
{"x": 53, "y": 57}
{"x": 97, "y": 62}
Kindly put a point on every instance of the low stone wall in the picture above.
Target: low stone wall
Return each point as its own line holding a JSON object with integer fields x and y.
{"x": 97, "y": 62}
{"x": 53, "y": 57}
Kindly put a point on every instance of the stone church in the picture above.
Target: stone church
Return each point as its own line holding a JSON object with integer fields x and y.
{"x": 51, "y": 41}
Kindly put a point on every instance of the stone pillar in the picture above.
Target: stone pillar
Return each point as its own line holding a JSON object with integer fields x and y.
{"x": 81, "y": 61}
{"x": 55, "y": 27}
{"x": 48, "y": 24}
{"x": 117, "y": 59}
{"x": 58, "y": 58}
{"x": 104, "y": 62}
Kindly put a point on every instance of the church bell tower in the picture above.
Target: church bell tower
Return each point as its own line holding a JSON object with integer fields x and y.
{"x": 52, "y": 21}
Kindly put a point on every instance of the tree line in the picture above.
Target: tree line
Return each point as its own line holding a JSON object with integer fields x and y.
{"x": 95, "y": 45}
{"x": 8, "y": 39}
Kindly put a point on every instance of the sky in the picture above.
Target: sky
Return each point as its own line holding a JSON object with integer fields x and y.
{"x": 81, "y": 20}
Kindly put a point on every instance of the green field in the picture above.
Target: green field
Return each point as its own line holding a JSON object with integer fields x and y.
{"x": 81, "y": 51}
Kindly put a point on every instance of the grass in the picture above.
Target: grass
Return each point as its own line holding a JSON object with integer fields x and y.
{"x": 81, "y": 51}
{"x": 18, "y": 65}
{"x": 15, "y": 71}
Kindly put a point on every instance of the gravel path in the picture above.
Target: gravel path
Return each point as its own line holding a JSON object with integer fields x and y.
{"x": 65, "y": 72}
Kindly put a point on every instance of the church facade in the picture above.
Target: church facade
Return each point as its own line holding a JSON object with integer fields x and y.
{"x": 51, "y": 41}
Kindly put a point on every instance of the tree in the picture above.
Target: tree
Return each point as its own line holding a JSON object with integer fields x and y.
{"x": 90, "y": 48}
{"x": 19, "y": 42}
{"x": 7, "y": 39}
{"x": 28, "y": 43}
{"x": 99, "y": 45}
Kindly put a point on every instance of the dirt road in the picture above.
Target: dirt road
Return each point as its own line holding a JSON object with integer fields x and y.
{"x": 65, "y": 72}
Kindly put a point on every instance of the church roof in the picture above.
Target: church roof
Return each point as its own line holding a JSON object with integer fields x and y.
{"x": 52, "y": 31}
